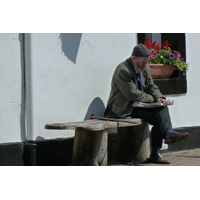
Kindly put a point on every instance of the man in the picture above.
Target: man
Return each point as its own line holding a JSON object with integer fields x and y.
{"x": 131, "y": 83}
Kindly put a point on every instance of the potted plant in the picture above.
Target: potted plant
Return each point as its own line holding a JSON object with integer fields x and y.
{"x": 164, "y": 59}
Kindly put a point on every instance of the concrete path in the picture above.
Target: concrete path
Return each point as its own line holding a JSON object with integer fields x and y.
{"x": 178, "y": 158}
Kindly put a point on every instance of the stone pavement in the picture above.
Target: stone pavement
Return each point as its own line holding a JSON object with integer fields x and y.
{"x": 177, "y": 158}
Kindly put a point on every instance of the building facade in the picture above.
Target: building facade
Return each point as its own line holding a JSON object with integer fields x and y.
{"x": 65, "y": 77}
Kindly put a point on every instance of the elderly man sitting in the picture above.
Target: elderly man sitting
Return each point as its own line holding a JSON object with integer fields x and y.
{"x": 132, "y": 82}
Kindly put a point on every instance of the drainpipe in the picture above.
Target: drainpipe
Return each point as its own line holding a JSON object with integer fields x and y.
{"x": 30, "y": 145}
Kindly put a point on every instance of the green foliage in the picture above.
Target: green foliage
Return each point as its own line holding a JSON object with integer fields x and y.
{"x": 181, "y": 65}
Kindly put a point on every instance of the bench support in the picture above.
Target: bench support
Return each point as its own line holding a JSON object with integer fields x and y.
{"x": 133, "y": 143}
{"x": 90, "y": 141}
{"x": 90, "y": 148}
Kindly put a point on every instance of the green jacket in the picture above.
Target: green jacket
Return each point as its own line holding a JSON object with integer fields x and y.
{"x": 124, "y": 90}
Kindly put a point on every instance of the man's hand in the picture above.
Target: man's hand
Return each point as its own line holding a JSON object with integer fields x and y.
{"x": 164, "y": 101}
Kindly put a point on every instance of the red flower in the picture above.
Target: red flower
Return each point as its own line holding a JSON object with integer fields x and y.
{"x": 148, "y": 44}
{"x": 154, "y": 44}
{"x": 166, "y": 44}
{"x": 158, "y": 47}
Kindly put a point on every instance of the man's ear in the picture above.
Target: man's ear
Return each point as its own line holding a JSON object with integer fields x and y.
{"x": 133, "y": 58}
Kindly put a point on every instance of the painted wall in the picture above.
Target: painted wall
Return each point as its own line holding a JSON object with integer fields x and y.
{"x": 11, "y": 99}
{"x": 69, "y": 78}
{"x": 186, "y": 110}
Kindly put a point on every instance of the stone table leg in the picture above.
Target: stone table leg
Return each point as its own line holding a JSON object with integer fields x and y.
{"x": 133, "y": 143}
{"x": 90, "y": 148}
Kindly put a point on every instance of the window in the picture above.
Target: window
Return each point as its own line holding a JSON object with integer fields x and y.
{"x": 177, "y": 83}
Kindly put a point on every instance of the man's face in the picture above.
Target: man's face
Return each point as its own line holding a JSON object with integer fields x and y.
{"x": 140, "y": 62}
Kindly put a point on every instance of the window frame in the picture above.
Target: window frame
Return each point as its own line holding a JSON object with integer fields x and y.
{"x": 177, "y": 83}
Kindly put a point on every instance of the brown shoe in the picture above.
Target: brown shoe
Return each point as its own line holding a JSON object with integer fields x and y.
{"x": 158, "y": 159}
{"x": 176, "y": 137}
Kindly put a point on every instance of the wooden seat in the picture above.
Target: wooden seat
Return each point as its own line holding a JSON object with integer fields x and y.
{"x": 91, "y": 140}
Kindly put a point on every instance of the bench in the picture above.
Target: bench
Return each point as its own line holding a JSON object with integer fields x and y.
{"x": 91, "y": 140}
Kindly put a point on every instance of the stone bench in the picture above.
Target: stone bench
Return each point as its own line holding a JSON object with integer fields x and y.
{"x": 91, "y": 140}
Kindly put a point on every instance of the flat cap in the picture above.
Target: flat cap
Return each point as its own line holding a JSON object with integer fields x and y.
{"x": 140, "y": 51}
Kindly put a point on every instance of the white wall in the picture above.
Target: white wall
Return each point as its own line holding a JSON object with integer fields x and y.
{"x": 11, "y": 115}
{"x": 70, "y": 84}
{"x": 186, "y": 110}
{"x": 70, "y": 75}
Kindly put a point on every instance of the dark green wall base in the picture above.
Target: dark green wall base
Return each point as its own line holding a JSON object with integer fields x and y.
{"x": 176, "y": 84}
{"x": 191, "y": 143}
{"x": 58, "y": 152}
{"x": 11, "y": 154}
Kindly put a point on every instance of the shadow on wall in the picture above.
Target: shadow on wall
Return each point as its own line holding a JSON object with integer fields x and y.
{"x": 70, "y": 45}
{"x": 97, "y": 108}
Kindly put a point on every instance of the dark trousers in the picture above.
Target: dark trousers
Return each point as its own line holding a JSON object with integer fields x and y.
{"x": 160, "y": 120}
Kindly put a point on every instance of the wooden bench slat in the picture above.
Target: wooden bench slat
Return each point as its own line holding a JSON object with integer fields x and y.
{"x": 67, "y": 125}
{"x": 98, "y": 125}
{"x": 132, "y": 122}
{"x": 93, "y": 125}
